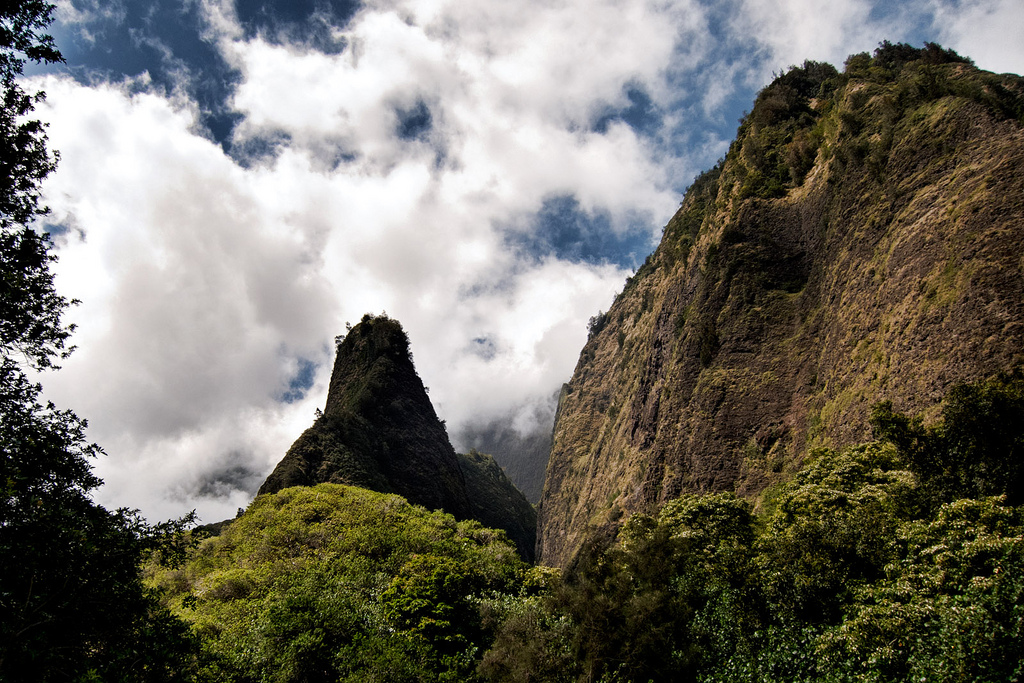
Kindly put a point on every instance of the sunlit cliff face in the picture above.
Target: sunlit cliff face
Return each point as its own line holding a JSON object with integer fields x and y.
{"x": 857, "y": 244}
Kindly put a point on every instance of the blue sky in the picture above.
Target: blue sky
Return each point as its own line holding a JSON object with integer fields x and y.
{"x": 239, "y": 180}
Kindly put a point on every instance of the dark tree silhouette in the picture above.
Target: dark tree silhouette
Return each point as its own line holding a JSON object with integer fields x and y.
{"x": 72, "y": 602}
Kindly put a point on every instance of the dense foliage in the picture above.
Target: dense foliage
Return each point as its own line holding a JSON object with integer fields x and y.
{"x": 336, "y": 583}
{"x": 30, "y": 308}
{"x": 796, "y": 115}
{"x": 860, "y": 568}
{"x": 72, "y": 604}
{"x": 976, "y": 450}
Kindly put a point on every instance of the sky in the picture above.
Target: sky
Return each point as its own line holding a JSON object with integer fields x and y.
{"x": 238, "y": 181}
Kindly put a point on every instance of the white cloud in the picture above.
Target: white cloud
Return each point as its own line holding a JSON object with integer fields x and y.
{"x": 198, "y": 293}
{"x": 205, "y": 281}
{"x": 988, "y": 31}
{"x": 792, "y": 31}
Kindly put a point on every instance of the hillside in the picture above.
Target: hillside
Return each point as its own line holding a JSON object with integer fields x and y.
{"x": 379, "y": 431}
{"x": 860, "y": 241}
{"x": 333, "y": 582}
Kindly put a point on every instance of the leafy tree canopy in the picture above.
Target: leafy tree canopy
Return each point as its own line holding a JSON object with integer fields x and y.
{"x": 30, "y": 308}
{"x": 333, "y": 583}
{"x": 976, "y": 449}
{"x": 890, "y": 561}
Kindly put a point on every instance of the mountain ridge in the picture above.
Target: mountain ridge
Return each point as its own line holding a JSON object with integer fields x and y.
{"x": 859, "y": 242}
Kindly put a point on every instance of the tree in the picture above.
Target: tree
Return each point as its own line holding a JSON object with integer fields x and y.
{"x": 338, "y": 583}
{"x": 71, "y": 596}
{"x": 829, "y": 530}
{"x": 30, "y": 308}
{"x": 950, "y": 608}
{"x": 72, "y": 602}
{"x": 975, "y": 450}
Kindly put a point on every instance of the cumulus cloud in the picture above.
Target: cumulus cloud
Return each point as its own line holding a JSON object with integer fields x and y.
{"x": 208, "y": 280}
{"x": 988, "y": 31}
{"x": 795, "y": 30}
{"x": 408, "y": 173}
{"x": 199, "y": 293}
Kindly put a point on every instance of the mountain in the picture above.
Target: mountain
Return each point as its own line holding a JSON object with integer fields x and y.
{"x": 860, "y": 241}
{"x": 379, "y": 431}
{"x": 523, "y": 455}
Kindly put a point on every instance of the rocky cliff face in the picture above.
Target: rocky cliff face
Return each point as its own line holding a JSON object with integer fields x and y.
{"x": 861, "y": 240}
{"x": 379, "y": 431}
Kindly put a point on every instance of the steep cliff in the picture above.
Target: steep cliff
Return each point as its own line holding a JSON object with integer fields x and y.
{"x": 861, "y": 240}
{"x": 379, "y": 431}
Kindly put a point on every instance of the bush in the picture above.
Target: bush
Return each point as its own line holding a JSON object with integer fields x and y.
{"x": 338, "y": 583}
{"x": 975, "y": 450}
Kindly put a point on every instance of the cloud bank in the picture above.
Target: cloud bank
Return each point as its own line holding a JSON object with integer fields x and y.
{"x": 487, "y": 173}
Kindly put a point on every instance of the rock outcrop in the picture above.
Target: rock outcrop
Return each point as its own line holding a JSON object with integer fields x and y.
{"x": 379, "y": 431}
{"x": 860, "y": 241}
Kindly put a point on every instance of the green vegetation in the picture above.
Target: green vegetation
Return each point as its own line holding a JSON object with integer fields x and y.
{"x": 901, "y": 559}
{"x": 681, "y": 232}
{"x": 497, "y": 502}
{"x": 861, "y": 567}
{"x": 336, "y": 583}
{"x": 596, "y": 324}
{"x": 807, "y": 109}
{"x": 30, "y": 308}
{"x": 866, "y": 565}
{"x": 976, "y": 450}
{"x": 778, "y": 141}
